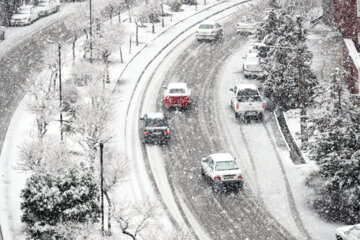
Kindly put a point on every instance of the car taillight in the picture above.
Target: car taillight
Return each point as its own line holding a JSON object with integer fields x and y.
{"x": 263, "y": 105}
{"x": 247, "y": 66}
{"x": 167, "y": 132}
{"x": 146, "y": 133}
{"x": 240, "y": 177}
{"x": 197, "y": 31}
{"x": 238, "y": 24}
{"x": 217, "y": 178}
{"x": 237, "y": 106}
{"x": 187, "y": 98}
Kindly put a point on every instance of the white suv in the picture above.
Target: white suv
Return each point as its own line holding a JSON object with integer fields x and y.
{"x": 222, "y": 170}
{"x": 351, "y": 232}
{"x": 24, "y": 15}
{"x": 209, "y": 30}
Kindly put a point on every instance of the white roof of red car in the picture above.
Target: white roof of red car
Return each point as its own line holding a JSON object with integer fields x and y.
{"x": 177, "y": 85}
{"x": 156, "y": 115}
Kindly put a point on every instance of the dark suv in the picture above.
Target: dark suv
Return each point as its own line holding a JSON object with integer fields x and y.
{"x": 154, "y": 128}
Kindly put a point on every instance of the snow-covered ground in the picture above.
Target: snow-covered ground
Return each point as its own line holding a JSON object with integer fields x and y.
{"x": 139, "y": 185}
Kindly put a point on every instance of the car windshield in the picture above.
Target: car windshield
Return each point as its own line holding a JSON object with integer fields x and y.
{"x": 249, "y": 99}
{"x": 23, "y": 10}
{"x": 206, "y": 26}
{"x": 177, "y": 90}
{"x": 226, "y": 165}
{"x": 155, "y": 122}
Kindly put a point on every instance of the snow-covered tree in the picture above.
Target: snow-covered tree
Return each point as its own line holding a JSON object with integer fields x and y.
{"x": 50, "y": 199}
{"x": 334, "y": 145}
{"x": 77, "y": 24}
{"x": 148, "y": 12}
{"x": 268, "y": 25}
{"x": 43, "y": 102}
{"x": 289, "y": 81}
{"x": 106, "y": 40}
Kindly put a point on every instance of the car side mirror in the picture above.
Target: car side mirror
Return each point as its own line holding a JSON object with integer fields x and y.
{"x": 231, "y": 89}
{"x": 141, "y": 119}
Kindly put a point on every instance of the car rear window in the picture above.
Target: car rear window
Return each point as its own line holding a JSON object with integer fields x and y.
{"x": 247, "y": 92}
{"x": 177, "y": 90}
{"x": 206, "y": 26}
{"x": 23, "y": 10}
{"x": 249, "y": 99}
{"x": 155, "y": 122}
{"x": 226, "y": 165}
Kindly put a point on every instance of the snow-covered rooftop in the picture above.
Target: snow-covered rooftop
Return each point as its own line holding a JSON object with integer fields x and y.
{"x": 156, "y": 115}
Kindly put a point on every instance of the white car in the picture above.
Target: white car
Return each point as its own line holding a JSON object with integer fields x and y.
{"x": 351, "y": 232}
{"x": 245, "y": 28}
{"x": 222, "y": 170}
{"x": 24, "y": 15}
{"x": 177, "y": 95}
{"x": 251, "y": 66}
{"x": 247, "y": 103}
{"x": 255, "y": 47}
{"x": 47, "y": 7}
{"x": 209, "y": 30}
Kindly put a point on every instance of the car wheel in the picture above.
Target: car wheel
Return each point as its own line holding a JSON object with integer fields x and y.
{"x": 246, "y": 76}
{"x": 237, "y": 115}
{"x": 338, "y": 237}
{"x": 261, "y": 117}
{"x": 202, "y": 172}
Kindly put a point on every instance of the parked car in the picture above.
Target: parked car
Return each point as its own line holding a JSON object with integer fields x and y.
{"x": 24, "y": 15}
{"x": 256, "y": 47}
{"x": 222, "y": 171}
{"x": 247, "y": 103}
{"x": 252, "y": 67}
{"x": 351, "y": 232}
{"x": 209, "y": 30}
{"x": 245, "y": 28}
{"x": 154, "y": 128}
{"x": 177, "y": 95}
{"x": 47, "y": 7}
{"x": 2, "y": 33}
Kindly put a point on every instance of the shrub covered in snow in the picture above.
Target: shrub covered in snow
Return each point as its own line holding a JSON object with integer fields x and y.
{"x": 334, "y": 145}
{"x": 51, "y": 199}
{"x": 175, "y": 5}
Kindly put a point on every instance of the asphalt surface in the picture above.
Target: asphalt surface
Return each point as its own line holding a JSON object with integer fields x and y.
{"x": 195, "y": 135}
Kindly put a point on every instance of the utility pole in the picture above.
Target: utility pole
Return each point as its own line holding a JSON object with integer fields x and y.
{"x": 60, "y": 94}
{"x": 102, "y": 186}
{"x": 90, "y": 32}
{"x": 303, "y": 113}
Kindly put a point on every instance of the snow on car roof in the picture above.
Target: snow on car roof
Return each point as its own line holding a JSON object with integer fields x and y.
{"x": 247, "y": 86}
{"x": 156, "y": 115}
{"x": 208, "y": 22}
{"x": 177, "y": 85}
{"x": 222, "y": 157}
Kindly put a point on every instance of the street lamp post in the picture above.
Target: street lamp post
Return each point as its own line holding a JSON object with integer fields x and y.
{"x": 102, "y": 186}
{"x": 90, "y": 32}
{"x": 60, "y": 93}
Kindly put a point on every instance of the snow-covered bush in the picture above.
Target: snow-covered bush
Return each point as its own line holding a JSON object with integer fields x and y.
{"x": 50, "y": 199}
{"x": 175, "y": 5}
{"x": 149, "y": 12}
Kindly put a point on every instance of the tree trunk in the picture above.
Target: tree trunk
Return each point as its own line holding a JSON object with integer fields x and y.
{"x": 121, "y": 56}
{"x": 137, "y": 35}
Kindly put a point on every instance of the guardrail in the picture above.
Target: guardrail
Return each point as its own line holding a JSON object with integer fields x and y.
{"x": 295, "y": 153}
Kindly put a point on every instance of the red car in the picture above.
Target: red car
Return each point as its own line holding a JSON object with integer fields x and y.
{"x": 177, "y": 95}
